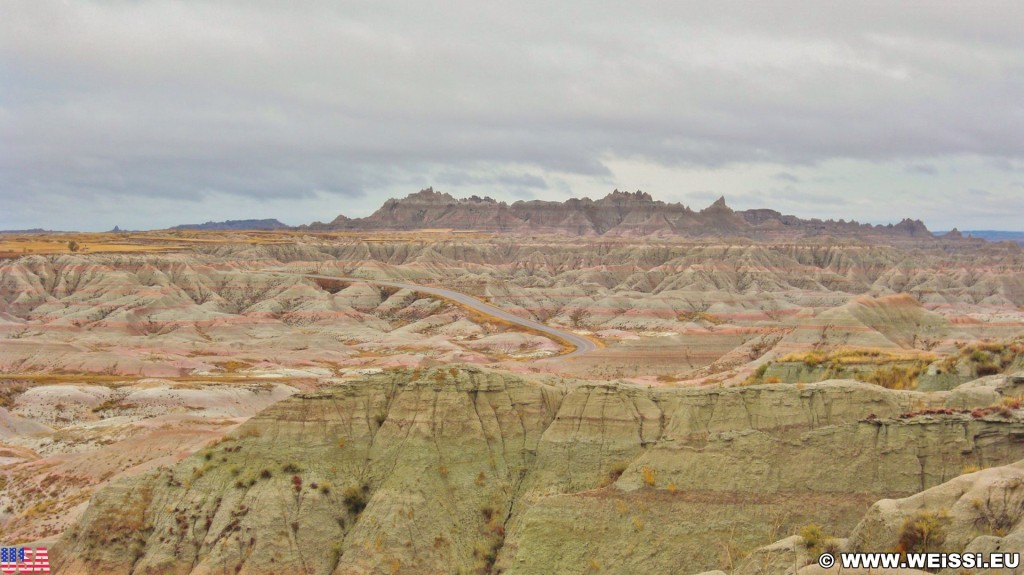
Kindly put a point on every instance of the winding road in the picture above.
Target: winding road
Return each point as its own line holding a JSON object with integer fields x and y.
{"x": 582, "y": 344}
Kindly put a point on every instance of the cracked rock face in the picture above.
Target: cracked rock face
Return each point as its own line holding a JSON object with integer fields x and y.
{"x": 463, "y": 470}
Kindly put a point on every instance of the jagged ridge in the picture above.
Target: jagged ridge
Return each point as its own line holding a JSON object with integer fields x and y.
{"x": 617, "y": 214}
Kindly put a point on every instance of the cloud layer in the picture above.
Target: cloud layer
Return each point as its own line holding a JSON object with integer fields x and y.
{"x": 231, "y": 108}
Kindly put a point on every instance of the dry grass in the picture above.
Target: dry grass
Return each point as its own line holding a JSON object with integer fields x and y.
{"x": 17, "y": 245}
{"x": 650, "y": 476}
{"x": 893, "y": 376}
{"x": 233, "y": 366}
{"x": 849, "y": 356}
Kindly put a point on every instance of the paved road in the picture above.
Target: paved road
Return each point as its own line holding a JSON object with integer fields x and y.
{"x": 582, "y": 344}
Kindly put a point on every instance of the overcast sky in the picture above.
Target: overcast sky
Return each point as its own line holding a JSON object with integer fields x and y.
{"x": 148, "y": 114}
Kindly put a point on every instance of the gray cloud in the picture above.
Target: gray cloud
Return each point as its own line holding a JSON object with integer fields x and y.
{"x": 787, "y": 177}
{"x": 265, "y": 101}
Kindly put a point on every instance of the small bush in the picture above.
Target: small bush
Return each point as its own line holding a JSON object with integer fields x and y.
{"x": 291, "y": 468}
{"x": 894, "y": 376}
{"x": 354, "y": 499}
{"x": 988, "y": 368}
{"x": 923, "y": 532}
{"x": 650, "y": 476}
{"x": 812, "y": 535}
{"x": 814, "y": 359}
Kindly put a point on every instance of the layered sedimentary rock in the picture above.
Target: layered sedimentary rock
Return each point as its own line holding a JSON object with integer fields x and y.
{"x": 466, "y": 470}
{"x": 617, "y": 214}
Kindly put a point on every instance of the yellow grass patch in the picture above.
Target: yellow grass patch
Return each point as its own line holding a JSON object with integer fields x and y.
{"x": 847, "y": 356}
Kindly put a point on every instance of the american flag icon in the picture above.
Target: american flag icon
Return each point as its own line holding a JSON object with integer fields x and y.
{"x": 24, "y": 560}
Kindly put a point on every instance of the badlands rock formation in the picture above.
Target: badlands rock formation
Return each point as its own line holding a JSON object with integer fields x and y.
{"x": 617, "y": 214}
{"x": 206, "y": 408}
{"x": 460, "y": 469}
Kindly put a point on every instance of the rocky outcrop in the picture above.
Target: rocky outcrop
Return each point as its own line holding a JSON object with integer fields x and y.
{"x": 976, "y": 513}
{"x": 458, "y": 470}
{"x": 617, "y": 214}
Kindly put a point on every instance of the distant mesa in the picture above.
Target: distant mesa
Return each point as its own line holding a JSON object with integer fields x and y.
{"x": 617, "y": 214}
{"x": 229, "y": 225}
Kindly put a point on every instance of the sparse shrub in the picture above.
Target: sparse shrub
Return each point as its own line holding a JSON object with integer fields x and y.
{"x": 816, "y": 541}
{"x": 987, "y": 368}
{"x": 487, "y": 512}
{"x": 923, "y": 532}
{"x": 814, "y": 359}
{"x": 354, "y": 498}
{"x": 73, "y": 246}
{"x": 296, "y": 483}
{"x": 579, "y": 317}
{"x": 812, "y": 535}
{"x": 998, "y": 514}
{"x": 894, "y": 376}
{"x": 266, "y": 474}
{"x": 650, "y": 475}
{"x": 291, "y": 468}
{"x": 325, "y": 488}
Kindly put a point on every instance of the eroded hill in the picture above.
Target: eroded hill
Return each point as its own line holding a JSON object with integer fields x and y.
{"x": 467, "y": 470}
